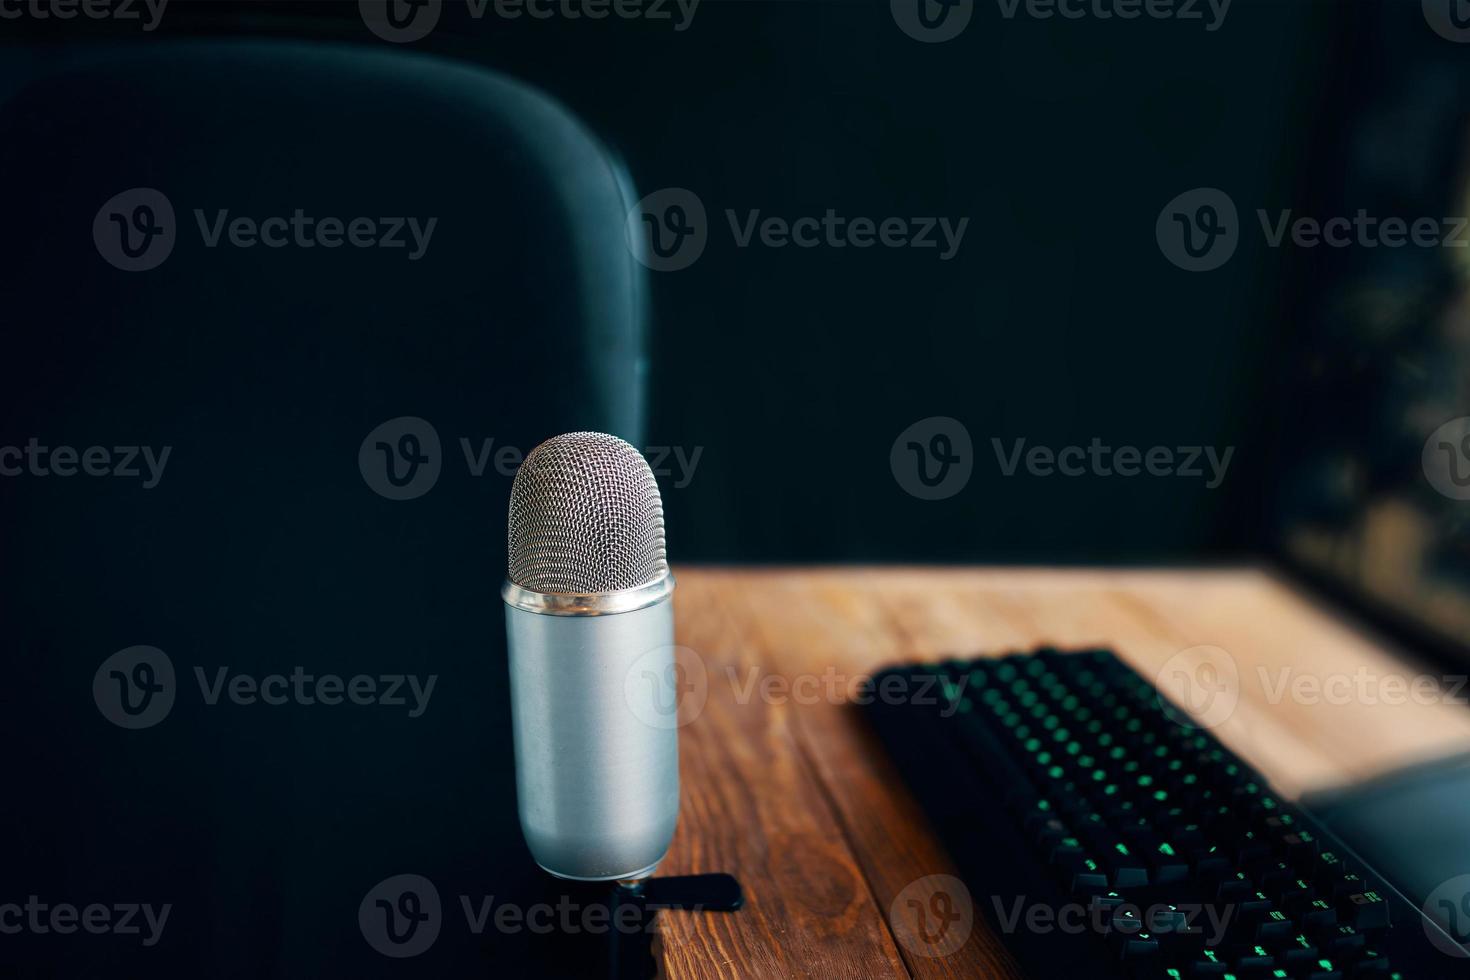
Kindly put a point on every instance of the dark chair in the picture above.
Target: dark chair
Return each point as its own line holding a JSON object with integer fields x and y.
{"x": 279, "y": 535}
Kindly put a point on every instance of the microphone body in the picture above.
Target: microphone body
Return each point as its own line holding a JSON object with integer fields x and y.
{"x": 597, "y": 777}
{"x": 590, "y": 625}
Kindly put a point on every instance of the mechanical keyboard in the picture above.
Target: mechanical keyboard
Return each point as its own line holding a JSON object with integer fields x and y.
{"x": 1066, "y": 783}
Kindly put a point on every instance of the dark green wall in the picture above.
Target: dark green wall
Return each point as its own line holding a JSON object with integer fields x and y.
{"x": 1058, "y": 321}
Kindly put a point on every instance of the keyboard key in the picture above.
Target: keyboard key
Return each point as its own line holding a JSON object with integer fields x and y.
{"x": 1367, "y": 910}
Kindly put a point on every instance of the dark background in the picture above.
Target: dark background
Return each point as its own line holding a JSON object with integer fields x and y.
{"x": 1058, "y": 321}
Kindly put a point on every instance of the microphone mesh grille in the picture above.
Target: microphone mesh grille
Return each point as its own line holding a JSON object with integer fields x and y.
{"x": 585, "y": 517}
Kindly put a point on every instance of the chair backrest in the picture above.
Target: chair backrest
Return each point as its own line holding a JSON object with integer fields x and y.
{"x": 340, "y": 289}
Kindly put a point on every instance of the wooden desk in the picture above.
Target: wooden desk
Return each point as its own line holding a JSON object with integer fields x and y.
{"x": 790, "y": 792}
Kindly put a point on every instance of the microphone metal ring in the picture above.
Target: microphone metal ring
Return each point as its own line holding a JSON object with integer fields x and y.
{"x": 588, "y": 604}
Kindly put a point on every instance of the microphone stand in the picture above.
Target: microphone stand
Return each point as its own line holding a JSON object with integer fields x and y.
{"x": 628, "y": 945}
{"x": 640, "y": 959}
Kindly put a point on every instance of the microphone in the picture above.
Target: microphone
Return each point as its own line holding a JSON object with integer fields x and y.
{"x": 590, "y": 627}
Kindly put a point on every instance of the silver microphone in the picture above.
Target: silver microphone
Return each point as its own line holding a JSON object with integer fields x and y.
{"x": 590, "y": 626}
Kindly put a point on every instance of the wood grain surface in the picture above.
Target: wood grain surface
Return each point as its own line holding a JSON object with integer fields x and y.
{"x": 784, "y": 787}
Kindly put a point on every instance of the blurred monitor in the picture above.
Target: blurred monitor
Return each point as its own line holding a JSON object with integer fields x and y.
{"x": 1374, "y": 439}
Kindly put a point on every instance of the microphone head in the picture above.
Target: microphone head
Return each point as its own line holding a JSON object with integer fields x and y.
{"x": 585, "y": 518}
